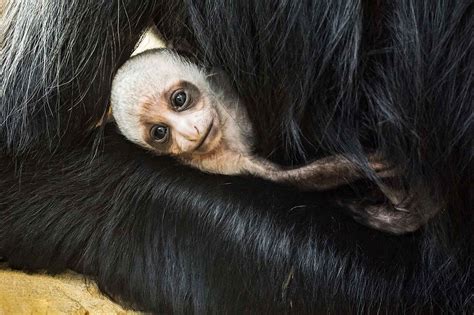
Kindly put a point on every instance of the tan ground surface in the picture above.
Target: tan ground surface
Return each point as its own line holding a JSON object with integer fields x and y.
{"x": 22, "y": 293}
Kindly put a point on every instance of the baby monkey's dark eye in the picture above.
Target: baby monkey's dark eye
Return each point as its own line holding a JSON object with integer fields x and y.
{"x": 159, "y": 133}
{"x": 180, "y": 100}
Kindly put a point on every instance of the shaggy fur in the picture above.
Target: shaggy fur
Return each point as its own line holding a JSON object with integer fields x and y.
{"x": 318, "y": 78}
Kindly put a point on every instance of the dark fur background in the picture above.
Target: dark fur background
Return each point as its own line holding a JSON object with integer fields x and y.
{"x": 317, "y": 77}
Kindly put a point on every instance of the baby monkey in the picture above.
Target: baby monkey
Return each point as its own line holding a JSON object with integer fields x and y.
{"x": 170, "y": 106}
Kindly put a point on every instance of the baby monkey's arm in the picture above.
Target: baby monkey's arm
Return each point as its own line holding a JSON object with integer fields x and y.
{"x": 322, "y": 174}
{"x": 399, "y": 214}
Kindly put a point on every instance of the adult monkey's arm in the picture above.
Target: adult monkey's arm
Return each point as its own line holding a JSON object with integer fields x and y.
{"x": 160, "y": 237}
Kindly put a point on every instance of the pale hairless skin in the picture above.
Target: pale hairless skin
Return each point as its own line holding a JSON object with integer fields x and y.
{"x": 170, "y": 106}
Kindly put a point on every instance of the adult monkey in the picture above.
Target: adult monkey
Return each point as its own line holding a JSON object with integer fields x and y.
{"x": 357, "y": 77}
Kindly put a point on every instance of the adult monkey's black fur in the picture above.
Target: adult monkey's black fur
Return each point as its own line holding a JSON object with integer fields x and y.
{"x": 396, "y": 76}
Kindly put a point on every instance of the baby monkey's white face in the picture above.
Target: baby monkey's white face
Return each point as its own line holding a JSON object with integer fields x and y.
{"x": 181, "y": 120}
{"x": 166, "y": 105}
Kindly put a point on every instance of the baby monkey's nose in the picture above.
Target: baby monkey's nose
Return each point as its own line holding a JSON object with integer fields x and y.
{"x": 187, "y": 129}
{"x": 193, "y": 136}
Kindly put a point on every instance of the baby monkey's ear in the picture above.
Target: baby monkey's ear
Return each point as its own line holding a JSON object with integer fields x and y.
{"x": 106, "y": 118}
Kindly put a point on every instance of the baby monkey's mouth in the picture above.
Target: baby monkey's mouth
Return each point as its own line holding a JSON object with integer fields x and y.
{"x": 205, "y": 136}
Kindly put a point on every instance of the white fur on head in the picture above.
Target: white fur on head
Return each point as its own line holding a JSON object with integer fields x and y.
{"x": 146, "y": 75}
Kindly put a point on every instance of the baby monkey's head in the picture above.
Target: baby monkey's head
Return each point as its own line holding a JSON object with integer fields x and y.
{"x": 166, "y": 104}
